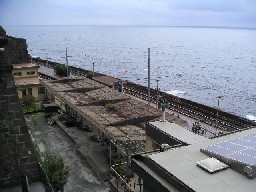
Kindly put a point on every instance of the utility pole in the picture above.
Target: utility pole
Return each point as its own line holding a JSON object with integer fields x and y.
{"x": 67, "y": 60}
{"x": 157, "y": 93}
{"x": 149, "y": 76}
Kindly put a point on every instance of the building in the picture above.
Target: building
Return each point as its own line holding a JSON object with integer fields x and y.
{"x": 169, "y": 133}
{"x": 27, "y": 80}
{"x": 191, "y": 163}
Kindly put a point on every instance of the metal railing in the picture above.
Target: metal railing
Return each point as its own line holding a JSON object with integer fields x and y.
{"x": 45, "y": 179}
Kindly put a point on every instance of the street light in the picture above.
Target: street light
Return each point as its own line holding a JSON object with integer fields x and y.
{"x": 218, "y": 107}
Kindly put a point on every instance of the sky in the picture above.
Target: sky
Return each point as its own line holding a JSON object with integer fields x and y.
{"x": 212, "y": 13}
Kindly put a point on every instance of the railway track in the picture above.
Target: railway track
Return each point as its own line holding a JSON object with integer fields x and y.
{"x": 225, "y": 121}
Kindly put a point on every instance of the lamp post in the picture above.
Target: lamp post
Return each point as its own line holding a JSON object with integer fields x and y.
{"x": 157, "y": 93}
{"x": 218, "y": 107}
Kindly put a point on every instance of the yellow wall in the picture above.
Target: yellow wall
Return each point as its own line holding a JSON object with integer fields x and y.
{"x": 24, "y": 72}
{"x": 34, "y": 91}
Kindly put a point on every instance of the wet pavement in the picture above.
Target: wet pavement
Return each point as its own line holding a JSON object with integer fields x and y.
{"x": 54, "y": 140}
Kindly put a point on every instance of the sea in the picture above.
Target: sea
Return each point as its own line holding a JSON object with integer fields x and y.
{"x": 196, "y": 63}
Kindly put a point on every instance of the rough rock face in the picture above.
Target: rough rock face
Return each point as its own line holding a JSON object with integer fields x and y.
{"x": 16, "y": 48}
{"x": 17, "y": 157}
{"x": 2, "y": 32}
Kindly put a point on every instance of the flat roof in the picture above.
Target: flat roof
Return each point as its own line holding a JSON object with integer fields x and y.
{"x": 24, "y": 65}
{"x": 179, "y": 132}
{"x": 27, "y": 81}
{"x": 107, "y": 80}
{"x": 181, "y": 162}
{"x": 90, "y": 98}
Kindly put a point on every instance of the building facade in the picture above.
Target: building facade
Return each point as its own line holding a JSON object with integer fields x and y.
{"x": 27, "y": 80}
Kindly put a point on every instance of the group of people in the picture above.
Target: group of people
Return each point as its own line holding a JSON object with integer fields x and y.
{"x": 196, "y": 128}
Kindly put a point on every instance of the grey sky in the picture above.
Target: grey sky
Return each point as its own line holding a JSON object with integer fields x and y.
{"x": 225, "y": 13}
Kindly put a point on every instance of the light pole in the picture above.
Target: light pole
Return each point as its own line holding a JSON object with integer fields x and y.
{"x": 217, "y": 114}
{"x": 157, "y": 93}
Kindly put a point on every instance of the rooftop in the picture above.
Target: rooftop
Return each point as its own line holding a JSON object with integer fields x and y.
{"x": 115, "y": 113}
{"x": 24, "y": 65}
{"x": 181, "y": 162}
{"x": 106, "y": 80}
{"x": 178, "y": 132}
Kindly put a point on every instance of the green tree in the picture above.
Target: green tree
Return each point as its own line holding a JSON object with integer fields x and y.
{"x": 56, "y": 170}
{"x": 28, "y": 100}
{"x": 90, "y": 74}
{"x": 61, "y": 70}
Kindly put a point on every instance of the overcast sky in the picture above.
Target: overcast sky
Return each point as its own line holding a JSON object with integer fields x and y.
{"x": 224, "y": 13}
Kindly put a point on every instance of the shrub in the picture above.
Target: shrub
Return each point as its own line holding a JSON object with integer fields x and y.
{"x": 28, "y": 100}
{"x": 56, "y": 170}
{"x": 61, "y": 70}
{"x": 111, "y": 106}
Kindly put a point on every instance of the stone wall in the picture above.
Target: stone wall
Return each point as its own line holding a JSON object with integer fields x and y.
{"x": 16, "y": 48}
{"x": 17, "y": 157}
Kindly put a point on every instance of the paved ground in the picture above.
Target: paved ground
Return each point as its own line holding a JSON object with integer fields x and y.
{"x": 54, "y": 140}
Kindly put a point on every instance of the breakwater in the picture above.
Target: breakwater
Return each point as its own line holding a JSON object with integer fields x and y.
{"x": 212, "y": 116}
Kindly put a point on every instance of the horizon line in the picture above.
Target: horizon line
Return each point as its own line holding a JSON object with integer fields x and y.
{"x": 116, "y": 25}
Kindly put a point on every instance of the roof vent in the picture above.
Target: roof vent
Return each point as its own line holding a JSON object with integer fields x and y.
{"x": 212, "y": 165}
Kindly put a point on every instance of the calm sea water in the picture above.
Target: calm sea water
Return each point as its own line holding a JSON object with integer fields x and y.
{"x": 195, "y": 63}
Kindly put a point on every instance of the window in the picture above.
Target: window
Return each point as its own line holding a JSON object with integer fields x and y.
{"x": 24, "y": 92}
{"x": 29, "y": 91}
{"x": 17, "y": 74}
{"x": 31, "y": 73}
{"x": 41, "y": 90}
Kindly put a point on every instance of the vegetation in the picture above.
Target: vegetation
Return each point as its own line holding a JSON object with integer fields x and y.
{"x": 53, "y": 165}
{"x": 29, "y": 104}
{"x": 61, "y": 70}
{"x": 56, "y": 170}
{"x": 90, "y": 75}
{"x": 111, "y": 106}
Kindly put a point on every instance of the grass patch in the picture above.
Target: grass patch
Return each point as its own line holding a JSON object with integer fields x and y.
{"x": 111, "y": 107}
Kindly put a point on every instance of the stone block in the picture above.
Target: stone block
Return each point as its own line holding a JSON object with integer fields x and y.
{"x": 18, "y": 122}
{"x": 14, "y": 99}
{"x": 12, "y": 107}
{"x": 24, "y": 160}
{"x": 10, "y": 91}
{"x": 3, "y": 129}
{"x": 23, "y": 130}
{"x": 3, "y": 141}
{"x": 14, "y": 130}
{"x": 23, "y": 138}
